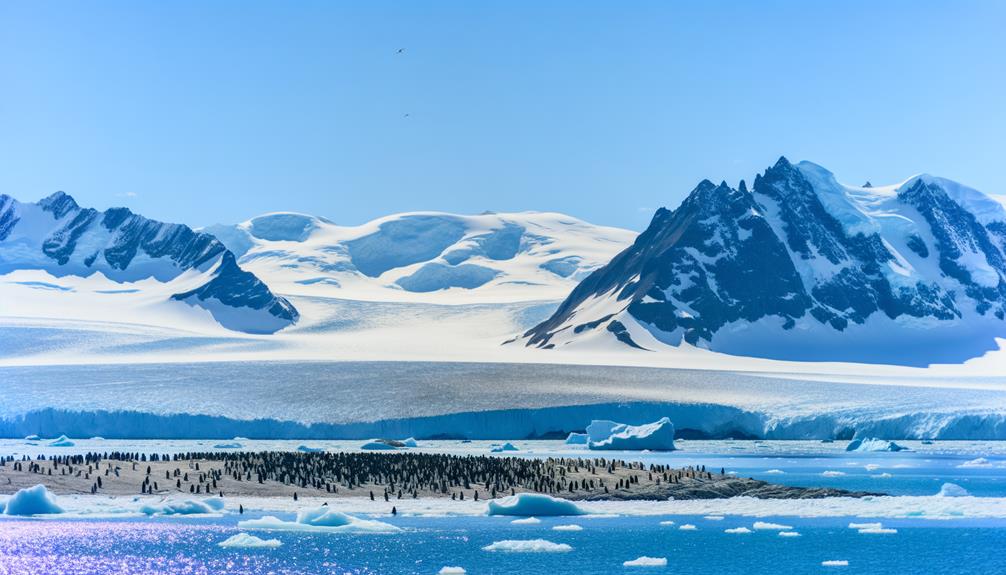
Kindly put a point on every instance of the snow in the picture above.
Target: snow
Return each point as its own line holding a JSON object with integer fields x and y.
{"x": 533, "y": 504}
{"x": 61, "y": 441}
{"x": 645, "y": 561}
{"x": 184, "y": 507}
{"x": 657, "y": 436}
{"x": 321, "y": 520}
{"x": 248, "y": 541}
{"x": 873, "y": 444}
{"x": 570, "y": 527}
{"x": 953, "y": 490}
{"x": 451, "y": 571}
{"x": 31, "y": 501}
{"x": 526, "y": 521}
{"x": 764, "y": 526}
{"x": 527, "y": 546}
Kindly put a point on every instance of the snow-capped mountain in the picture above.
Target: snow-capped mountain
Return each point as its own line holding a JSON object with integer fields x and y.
{"x": 58, "y": 247}
{"x": 429, "y": 257}
{"x": 803, "y": 267}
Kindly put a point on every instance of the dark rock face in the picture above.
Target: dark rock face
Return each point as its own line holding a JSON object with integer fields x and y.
{"x": 779, "y": 252}
{"x": 116, "y": 238}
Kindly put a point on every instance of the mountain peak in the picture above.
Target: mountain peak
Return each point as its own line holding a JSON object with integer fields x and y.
{"x": 59, "y": 204}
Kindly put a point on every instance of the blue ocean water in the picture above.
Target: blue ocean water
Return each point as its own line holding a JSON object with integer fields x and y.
{"x": 189, "y": 546}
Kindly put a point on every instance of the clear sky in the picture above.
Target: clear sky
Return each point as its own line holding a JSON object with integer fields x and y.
{"x": 216, "y": 111}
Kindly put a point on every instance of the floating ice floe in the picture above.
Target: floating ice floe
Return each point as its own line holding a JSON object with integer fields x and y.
{"x": 321, "y": 520}
{"x": 571, "y": 527}
{"x": 834, "y": 563}
{"x": 831, "y": 473}
{"x": 788, "y": 534}
{"x": 577, "y": 439}
{"x": 713, "y": 518}
{"x": 688, "y": 527}
{"x": 656, "y": 436}
{"x": 873, "y": 444}
{"x": 410, "y": 442}
{"x": 231, "y": 445}
{"x": 528, "y": 546}
{"x": 32, "y": 437}
{"x": 952, "y": 490}
{"x": 309, "y": 449}
{"x": 505, "y": 447}
{"x": 645, "y": 561}
{"x": 446, "y": 570}
{"x": 61, "y": 441}
{"x": 533, "y": 504}
{"x": 865, "y": 525}
{"x": 377, "y": 446}
{"x": 185, "y": 507}
{"x": 765, "y": 526}
{"x": 775, "y": 472}
{"x": 526, "y": 521}
{"x": 977, "y": 462}
{"x": 878, "y": 531}
{"x": 31, "y": 501}
{"x": 249, "y": 541}
{"x": 737, "y": 530}
{"x": 667, "y": 523}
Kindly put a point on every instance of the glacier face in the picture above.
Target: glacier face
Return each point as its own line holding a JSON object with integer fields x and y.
{"x": 58, "y": 237}
{"x": 426, "y": 257}
{"x": 803, "y": 267}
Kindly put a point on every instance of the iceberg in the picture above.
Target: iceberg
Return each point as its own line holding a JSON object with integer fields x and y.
{"x": 765, "y": 526}
{"x": 410, "y": 442}
{"x": 873, "y": 444}
{"x": 61, "y": 441}
{"x": 645, "y": 561}
{"x": 377, "y": 446}
{"x": 31, "y": 501}
{"x": 232, "y": 445}
{"x": 533, "y": 505}
{"x": 528, "y": 546}
{"x": 249, "y": 541}
{"x": 32, "y": 437}
{"x": 656, "y": 436}
{"x": 448, "y": 570}
{"x": 321, "y": 519}
{"x": 308, "y": 449}
{"x": 505, "y": 447}
{"x": 186, "y": 507}
{"x": 952, "y": 490}
{"x": 570, "y": 527}
{"x": 577, "y": 438}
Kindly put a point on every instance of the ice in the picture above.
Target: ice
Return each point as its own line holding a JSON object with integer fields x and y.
{"x": 878, "y": 531}
{"x": 865, "y": 525}
{"x": 835, "y": 563}
{"x": 526, "y": 521}
{"x": 577, "y": 438}
{"x": 570, "y": 527}
{"x": 231, "y": 445}
{"x": 764, "y": 526}
{"x": 435, "y": 276}
{"x": 831, "y": 473}
{"x": 645, "y": 561}
{"x": 737, "y": 530}
{"x": 688, "y": 527}
{"x": 667, "y": 523}
{"x": 451, "y": 571}
{"x": 788, "y": 534}
{"x": 410, "y": 442}
{"x": 872, "y": 444}
{"x": 309, "y": 449}
{"x": 657, "y": 436}
{"x": 600, "y": 429}
{"x": 321, "y": 519}
{"x": 31, "y": 501}
{"x": 32, "y": 437}
{"x": 377, "y": 446}
{"x": 953, "y": 490}
{"x": 775, "y": 472}
{"x": 249, "y": 541}
{"x": 714, "y": 518}
{"x": 528, "y": 546}
{"x": 533, "y": 504}
{"x": 505, "y": 447}
{"x": 61, "y": 441}
{"x": 185, "y": 507}
{"x": 977, "y": 462}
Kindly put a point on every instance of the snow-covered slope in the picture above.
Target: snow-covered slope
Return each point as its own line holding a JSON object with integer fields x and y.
{"x": 429, "y": 257}
{"x": 803, "y": 267}
{"x": 63, "y": 261}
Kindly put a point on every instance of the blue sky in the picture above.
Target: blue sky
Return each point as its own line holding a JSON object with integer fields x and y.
{"x": 205, "y": 112}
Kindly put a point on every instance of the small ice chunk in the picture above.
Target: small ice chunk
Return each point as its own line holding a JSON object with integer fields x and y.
{"x": 831, "y": 473}
{"x": 533, "y": 504}
{"x": 377, "y": 446}
{"x": 656, "y": 436}
{"x": 249, "y": 541}
{"x": 775, "y": 472}
{"x": 231, "y": 445}
{"x": 737, "y": 530}
{"x": 570, "y": 527}
{"x": 765, "y": 526}
{"x": 32, "y": 501}
{"x": 878, "y": 531}
{"x": 32, "y": 437}
{"x": 873, "y": 444}
{"x": 528, "y": 546}
{"x": 321, "y": 519}
{"x": 952, "y": 490}
{"x": 835, "y": 563}
{"x": 309, "y": 449}
{"x": 526, "y": 521}
{"x": 713, "y": 518}
{"x": 410, "y": 442}
{"x": 452, "y": 571}
{"x": 977, "y": 462}
{"x": 577, "y": 439}
{"x": 505, "y": 447}
{"x": 667, "y": 523}
{"x": 788, "y": 534}
{"x": 688, "y": 527}
{"x": 645, "y": 561}
{"x": 61, "y": 441}
{"x": 185, "y": 507}
{"x": 865, "y": 525}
